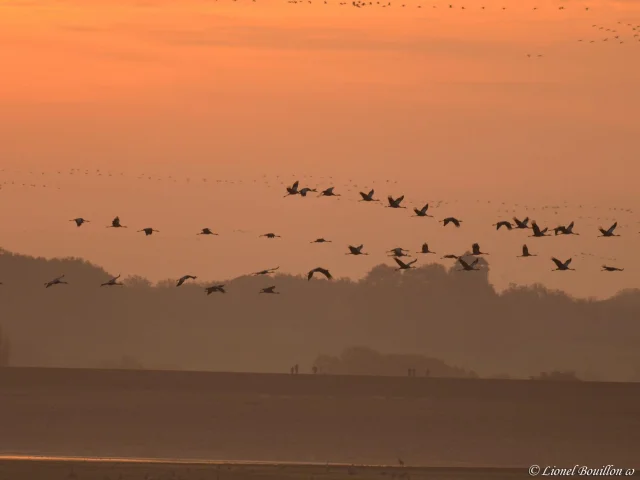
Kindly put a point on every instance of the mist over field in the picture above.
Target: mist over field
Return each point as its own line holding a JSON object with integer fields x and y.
{"x": 432, "y": 311}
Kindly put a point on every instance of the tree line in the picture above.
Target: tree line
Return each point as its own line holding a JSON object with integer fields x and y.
{"x": 432, "y": 312}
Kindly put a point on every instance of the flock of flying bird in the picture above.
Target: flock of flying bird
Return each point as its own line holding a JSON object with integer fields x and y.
{"x": 397, "y": 253}
{"x": 396, "y": 203}
{"x": 635, "y": 29}
{"x": 360, "y": 4}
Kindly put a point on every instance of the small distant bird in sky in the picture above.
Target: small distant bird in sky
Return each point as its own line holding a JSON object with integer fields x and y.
{"x": 521, "y": 223}
{"x": 79, "y": 221}
{"x": 503, "y": 223}
{"x": 425, "y": 249}
{"x": 537, "y": 232}
{"x": 422, "y": 212}
{"x": 293, "y": 189}
{"x": 568, "y": 230}
{"x": 561, "y": 265}
{"x": 525, "y": 252}
{"x": 356, "y": 250}
{"x": 404, "y": 266}
{"x": 328, "y": 192}
{"x": 398, "y": 252}
{"x": 368, "y": 197}
{"x": 606, "y": 268}
{"x": 609, "y": 231}
{"x": 452, "y": 220}
{"x": 115, "y": 223}
{"x": 475, "y": 250}
{"x": 395, "y": 202}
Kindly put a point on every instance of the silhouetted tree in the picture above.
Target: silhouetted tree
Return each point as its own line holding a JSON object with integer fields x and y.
{"x": 366, "y": 361}
{"x": 431, "y": 310}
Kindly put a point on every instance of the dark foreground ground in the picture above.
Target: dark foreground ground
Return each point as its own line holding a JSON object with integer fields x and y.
{"x": 115, "y": 470}
{"x": 309, "y": 418}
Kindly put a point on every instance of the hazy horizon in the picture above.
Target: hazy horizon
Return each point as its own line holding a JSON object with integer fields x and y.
{"x": 434, "y": 311}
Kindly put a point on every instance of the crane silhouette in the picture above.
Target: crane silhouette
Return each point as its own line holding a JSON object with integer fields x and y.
{"x": 452, "y": 220}
{"x": 562, "y": 266}
{"x": 475, "y": 250}
{"x": 320, "y": 270}
{"x": 404, "y": 266}
{"x": 293, "y": 189}
{"x": 425, "y": 248}
{"x": 537, "y": 232}
{"x": 606, "y": 268}
{"x": 525, "y": 252}
{"x": 115, "y": 223}
{"x": 112, "y": 282}
{"x": 266, "y": 272}
{"x": 356, "y": 250}
{"x": 562, "y": 230}
{"x": 503, "y": 223}
{"x": 609, "y": 231}
{"x": 395, "y": 202}
{"x": 368, "y": 197}
{"x": 521, "y": 224}
{"x": 422, "y": 212}
{"x": 468, "y": 266}
{"x": 328, "y": 192}
{"x": 184, "y": 278}
{"x": 398, "y": 252}
{"x": 206, "y": 231}
{"x": 215, "y": 288}
{"x": 79, "y": 221}
{"x": 269, "y": 290}
{"x": 55, "y": 281}
{"x": 148, "y": 231}
{"x": 303, "y": 192}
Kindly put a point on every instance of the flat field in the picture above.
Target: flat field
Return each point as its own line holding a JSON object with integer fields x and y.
{"x": 427, "y": 422}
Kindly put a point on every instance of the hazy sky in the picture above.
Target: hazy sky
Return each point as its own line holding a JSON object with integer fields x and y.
{"x": 443, "y": 101}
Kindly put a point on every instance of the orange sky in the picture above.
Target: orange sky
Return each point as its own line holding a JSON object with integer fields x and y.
{"x": 445, "y": 101}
